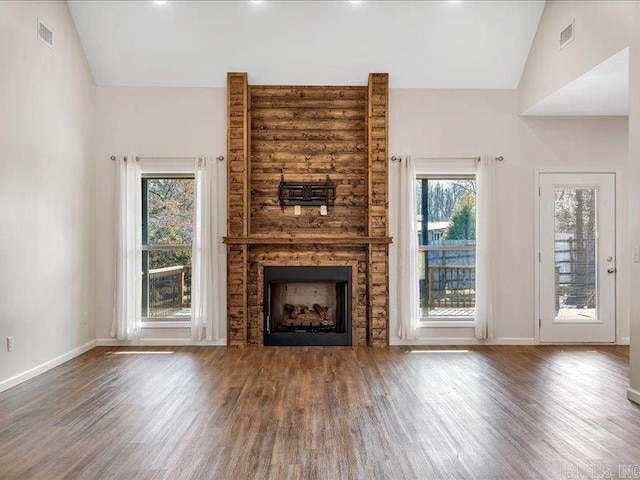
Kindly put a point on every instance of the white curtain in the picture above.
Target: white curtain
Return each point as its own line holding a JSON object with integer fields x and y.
{"x": 485, "y": 248}
{"x": 408, "y": 287}
{"x": 204, "y": 281}
{"x": 128, "y": 230}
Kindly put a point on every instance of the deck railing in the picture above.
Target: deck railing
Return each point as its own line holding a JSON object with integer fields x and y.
{"x": 169, "y": 290}
{"x": 575, "y": 272}
{"x": 451, "y": 286}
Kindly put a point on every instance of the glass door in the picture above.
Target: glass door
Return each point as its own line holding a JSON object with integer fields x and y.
{"x": 577, "y": 257}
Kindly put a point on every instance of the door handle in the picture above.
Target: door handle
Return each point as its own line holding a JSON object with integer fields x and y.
{"x": 612, "y": 270}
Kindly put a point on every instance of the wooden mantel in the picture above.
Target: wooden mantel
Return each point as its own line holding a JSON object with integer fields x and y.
{"x": 307, "y": 133}
{"x": 305, "y": 240}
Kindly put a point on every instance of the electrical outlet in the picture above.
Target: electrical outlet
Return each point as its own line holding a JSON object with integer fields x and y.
{"x": 636, "y": 254}
{"x": 84, "y": 318}
{"x": 323, "y": 210}
{"x": 297, "y": 210}
{"x": 9, "y": 344}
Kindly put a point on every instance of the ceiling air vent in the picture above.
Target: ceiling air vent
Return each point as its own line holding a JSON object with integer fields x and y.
{"x": 45, "y": 34}
{"x": 568, "y": 35}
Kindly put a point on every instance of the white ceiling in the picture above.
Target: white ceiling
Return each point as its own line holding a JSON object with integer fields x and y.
{"x": 422, "y": 44}
{"x": 603, "y": 90}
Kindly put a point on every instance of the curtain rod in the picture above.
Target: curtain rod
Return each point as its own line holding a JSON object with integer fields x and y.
{"x": 165, "y": 158}
{"x": 220, "y": 158}
{"x": 477, "y": 159}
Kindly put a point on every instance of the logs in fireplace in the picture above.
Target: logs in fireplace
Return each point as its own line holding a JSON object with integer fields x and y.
{"x": 300, "y": 318}
{"x": 307, "y": 305}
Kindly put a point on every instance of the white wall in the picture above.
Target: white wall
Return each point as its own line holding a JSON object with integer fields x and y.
{"x": 424, "y": 123}
{"x": 459, "y": 123}
{"x": 602, "y": 28}
{"x": 149, "y": 121}
{"x": 47, "y": 142}
{"x": 634, "y": 209}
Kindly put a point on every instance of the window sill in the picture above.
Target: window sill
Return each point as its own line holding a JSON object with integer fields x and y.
{"x": 449, "y": 323}
{"x": 166, "y": 324}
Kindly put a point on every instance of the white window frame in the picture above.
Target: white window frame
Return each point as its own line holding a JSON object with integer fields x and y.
{"x": 162, "y": 168}
{"x": 446, "y": 168}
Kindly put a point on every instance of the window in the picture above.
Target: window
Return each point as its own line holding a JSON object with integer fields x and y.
{"x": 167, "y": 233}
{"x": 446, "y": 217}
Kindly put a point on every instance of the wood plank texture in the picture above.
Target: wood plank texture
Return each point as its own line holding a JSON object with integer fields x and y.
{"x": 307, "y": 133}
{"x": 301, "y": 240}
{"x": 237, "y": 153}
{"x": 324, "y": 413}
{"x": 378, "y": 155}
{"x": 307, "y": 255}
{"x": 378, "y": 287}
{"x": 295, "y": 140}
{"x": 238, "y": 178}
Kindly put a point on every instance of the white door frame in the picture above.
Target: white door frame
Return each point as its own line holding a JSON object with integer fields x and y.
{"x": 621, "y": 264}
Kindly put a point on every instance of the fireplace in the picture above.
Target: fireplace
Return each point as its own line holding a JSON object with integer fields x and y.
{"x": 307, "y": 306}
{"x": 307, "y": 184}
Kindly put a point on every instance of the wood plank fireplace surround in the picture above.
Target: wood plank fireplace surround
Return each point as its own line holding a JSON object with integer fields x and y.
{"x": 306, "y": 134}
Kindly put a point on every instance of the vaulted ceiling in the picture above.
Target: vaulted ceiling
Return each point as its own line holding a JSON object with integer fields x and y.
{"x": 422, "y": 44}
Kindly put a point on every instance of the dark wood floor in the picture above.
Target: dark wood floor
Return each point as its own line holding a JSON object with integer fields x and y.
{"x": 205, "y": 413}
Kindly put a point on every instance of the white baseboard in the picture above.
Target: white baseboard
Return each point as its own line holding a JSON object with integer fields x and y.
{"x": 624, "y": 341}
{"x": 43, "y": 367}
{"x": 462, "y": 341}
{"x": 633, "y": 395}
{"x": 160, "y": 342}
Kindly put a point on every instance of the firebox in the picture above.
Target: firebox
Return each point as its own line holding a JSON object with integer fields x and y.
{"x": 307, "y": 306}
